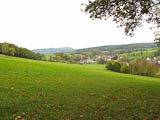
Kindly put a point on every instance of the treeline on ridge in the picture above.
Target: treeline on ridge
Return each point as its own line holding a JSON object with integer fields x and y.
{"x": 122, "y": 48}
{"x": 13, "y": 50}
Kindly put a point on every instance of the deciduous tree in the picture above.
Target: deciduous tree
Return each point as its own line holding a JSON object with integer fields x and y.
{"x": 127, "y": 13}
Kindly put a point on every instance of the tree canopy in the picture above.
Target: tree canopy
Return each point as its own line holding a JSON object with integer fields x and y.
{"x": 127, "y": 13}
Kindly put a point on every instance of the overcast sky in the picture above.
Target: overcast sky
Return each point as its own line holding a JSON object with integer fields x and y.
{"x": 59, "y": 23}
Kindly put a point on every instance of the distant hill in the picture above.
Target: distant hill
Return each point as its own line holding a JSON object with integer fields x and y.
{"x": 136, "y": 46}
{"x": 133, "y": 47}
{"x": 54, "y": 50}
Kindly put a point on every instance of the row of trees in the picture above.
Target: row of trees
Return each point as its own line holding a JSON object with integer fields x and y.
{"x": 65, "y": 57}
{"x": 13, "y": 50}
{"x": 139, "y": 67}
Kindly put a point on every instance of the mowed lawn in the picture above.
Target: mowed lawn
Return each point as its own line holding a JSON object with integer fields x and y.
{"x": 35, "y": 90}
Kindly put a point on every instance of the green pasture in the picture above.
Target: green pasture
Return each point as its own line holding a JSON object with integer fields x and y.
{"x": 36, "y": 90}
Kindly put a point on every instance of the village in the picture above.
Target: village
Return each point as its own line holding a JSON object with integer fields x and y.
{"x": 98, "y": 57}
{"x": 106, "y": 58}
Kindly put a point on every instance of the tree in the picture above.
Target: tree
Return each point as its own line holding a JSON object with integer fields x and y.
{"x": 0, "y": 48}
{"x": 38, "y": 56}
{"x": 157, "y": 53}
{"x": 116, "y": 66}
{"x": 127, "y": 13}
{"x": 109, "y": 65}
{"x": 51, "y": 59}
{"x": 11, "y": 51}
{"x": 124, "y": 68}
{"x": 5, "y": 48}
{"x": 43, "y": 58}
{"x": 101, "y": 61}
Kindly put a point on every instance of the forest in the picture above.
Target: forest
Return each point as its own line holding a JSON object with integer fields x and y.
{"x": 13, "y": 50}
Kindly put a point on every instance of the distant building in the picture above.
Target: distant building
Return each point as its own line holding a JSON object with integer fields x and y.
{"x": 108, "y": 58}
{"x": 98, "y": 56}
{"x": 148, "y": 59}
{"x": 87, "y": 61}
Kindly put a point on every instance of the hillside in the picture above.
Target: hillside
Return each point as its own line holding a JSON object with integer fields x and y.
{"x": 50, "y": 51}
{"x": 137, "y": 46}
{"x": 133, "y": 47}
{"x": 54, "y": 91}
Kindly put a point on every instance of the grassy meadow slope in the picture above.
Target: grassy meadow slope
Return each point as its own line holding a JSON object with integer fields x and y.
{"x": 36, "y": 90}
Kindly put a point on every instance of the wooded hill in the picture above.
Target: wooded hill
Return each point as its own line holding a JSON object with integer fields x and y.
{"x": 123, "y": 48}
{"x": 49, "y": 51}
{"x": 131, "y": 47}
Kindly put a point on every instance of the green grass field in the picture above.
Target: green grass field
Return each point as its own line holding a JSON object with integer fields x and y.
{"x": 34, "y": 90}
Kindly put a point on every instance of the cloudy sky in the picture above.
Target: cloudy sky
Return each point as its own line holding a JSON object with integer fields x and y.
{"x": 59, "y": 23}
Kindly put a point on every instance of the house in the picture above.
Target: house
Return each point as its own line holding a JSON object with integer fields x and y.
{"x": 108, "y": 58}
